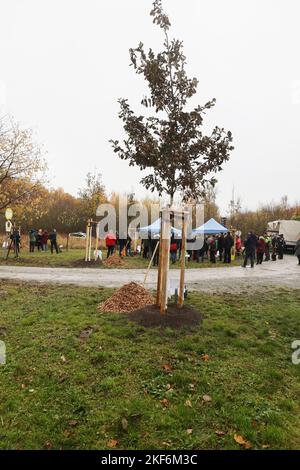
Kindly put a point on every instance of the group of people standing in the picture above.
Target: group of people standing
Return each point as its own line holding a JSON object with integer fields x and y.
{"x": 263, "y": 248}
{"x": 38, "y": 239}
{"x": 213, "y": 246}
{"x": 219, "y": 247}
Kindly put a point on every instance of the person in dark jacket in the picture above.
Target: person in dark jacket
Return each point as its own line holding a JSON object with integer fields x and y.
{"x": 212, "y": 245}
{"x": 45, "y": 237}
{"x": 128, "y": 246}
{"x": 121, "y": 241}
{"x": 250, "y": 247}
{"x": 16, "y": 240}
{"x": 53, "y": 241}
{"x": 297, "y": 250}
{"x": 228, "y": 244}
{"x": 221, "y": 245}
{"x": 274, "y": 248}
{"x": 32, "y": 240}
{"x": 191, "y": 241}
{"x": 146, "y": 246}
{"x": 280, "y": 246}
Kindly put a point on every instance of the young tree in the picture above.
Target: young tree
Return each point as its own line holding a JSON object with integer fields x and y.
{"x": 170, "y": 143}
{"x": 20, "y": 161}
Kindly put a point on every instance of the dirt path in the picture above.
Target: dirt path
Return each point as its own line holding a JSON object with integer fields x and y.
{"x": 280, "y": 273}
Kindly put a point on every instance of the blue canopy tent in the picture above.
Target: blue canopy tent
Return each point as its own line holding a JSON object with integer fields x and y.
{"x": 209, "y": 228}
{"x": 154, "y": 228}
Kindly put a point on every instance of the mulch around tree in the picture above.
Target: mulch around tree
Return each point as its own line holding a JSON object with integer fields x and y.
{"x": 150, "y": 317}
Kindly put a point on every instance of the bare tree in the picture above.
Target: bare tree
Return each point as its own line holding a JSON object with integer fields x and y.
{"x": 22, "y": 165}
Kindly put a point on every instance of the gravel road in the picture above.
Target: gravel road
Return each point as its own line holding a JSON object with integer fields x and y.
{"x": 280, "y": 273}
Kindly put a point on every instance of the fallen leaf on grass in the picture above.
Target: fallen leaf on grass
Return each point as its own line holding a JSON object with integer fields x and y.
{"x": 188, "y": 403}
{"x": 164, "y": 402}
{"x": 48, "y": 445}
{"x": 62, "y": 358}
{"x": 189, "y": 431}
{"x": 112, "y": 443}
{"x": 73, "y": 422}
{"x": 167, "y": 367}
{"x": 220, "y": 433}
{"x": 240, "y": 440}
{"x": 205, "y": 357}
{"x": 206, "y": 398}
{"x": 165, "y": 443}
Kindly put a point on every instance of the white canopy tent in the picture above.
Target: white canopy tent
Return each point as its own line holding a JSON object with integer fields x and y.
{"x": 154, "y": 229}
{"x": 209, "y": 228}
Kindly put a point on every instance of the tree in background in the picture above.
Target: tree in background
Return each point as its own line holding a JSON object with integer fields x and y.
{"x": 211, "y": 209}
{"x": 257, "y": 220}
{"x": 63, "y": 212}
{"x": 92, "y": 195}
{"x": 21, "y": 164}
{"x": 170, "y": 143}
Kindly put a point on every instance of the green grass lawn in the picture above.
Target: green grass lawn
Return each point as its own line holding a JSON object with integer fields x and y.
{"x": 74, "y": 258}
{"x": 133, "y": 388}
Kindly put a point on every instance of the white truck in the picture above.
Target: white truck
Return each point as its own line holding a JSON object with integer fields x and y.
{"x": 290, "y": 229}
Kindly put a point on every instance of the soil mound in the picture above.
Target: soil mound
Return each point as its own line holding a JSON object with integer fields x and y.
{"x": 128, "y": 298}
{"x": 175, "y": 317}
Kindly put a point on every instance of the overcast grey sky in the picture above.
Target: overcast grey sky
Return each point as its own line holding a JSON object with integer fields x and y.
{"x": 64, "y": 63}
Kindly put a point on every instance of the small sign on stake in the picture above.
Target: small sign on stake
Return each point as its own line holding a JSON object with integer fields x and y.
{"x": 8, "y": 226}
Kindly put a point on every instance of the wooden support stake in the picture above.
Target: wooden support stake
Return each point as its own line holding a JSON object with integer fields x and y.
{"x": 87, "y": 241}
{"x": 150, "y": 264}
{"x": 158, "y": 290}
{"x": 162, "y": 277}
{"x": 90, "y": 241}
{"x": 182, "y": 263}
{"x": 165, "y": 229}
{"x": 97, "y": 240}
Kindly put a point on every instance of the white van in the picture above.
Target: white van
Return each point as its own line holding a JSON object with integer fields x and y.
{"x": 290, "y": 229}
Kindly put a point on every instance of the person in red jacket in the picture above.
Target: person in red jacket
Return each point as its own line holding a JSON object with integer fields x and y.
{"x": 173, "y": 249}
{"x": 110, "y": 242}
{"x": 238, "y": 245}
{"x": 260, "y": 250}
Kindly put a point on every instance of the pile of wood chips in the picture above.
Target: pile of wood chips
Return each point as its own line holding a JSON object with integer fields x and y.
{"x": 128, "y": 298}
{"x": 115, "y": 261}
